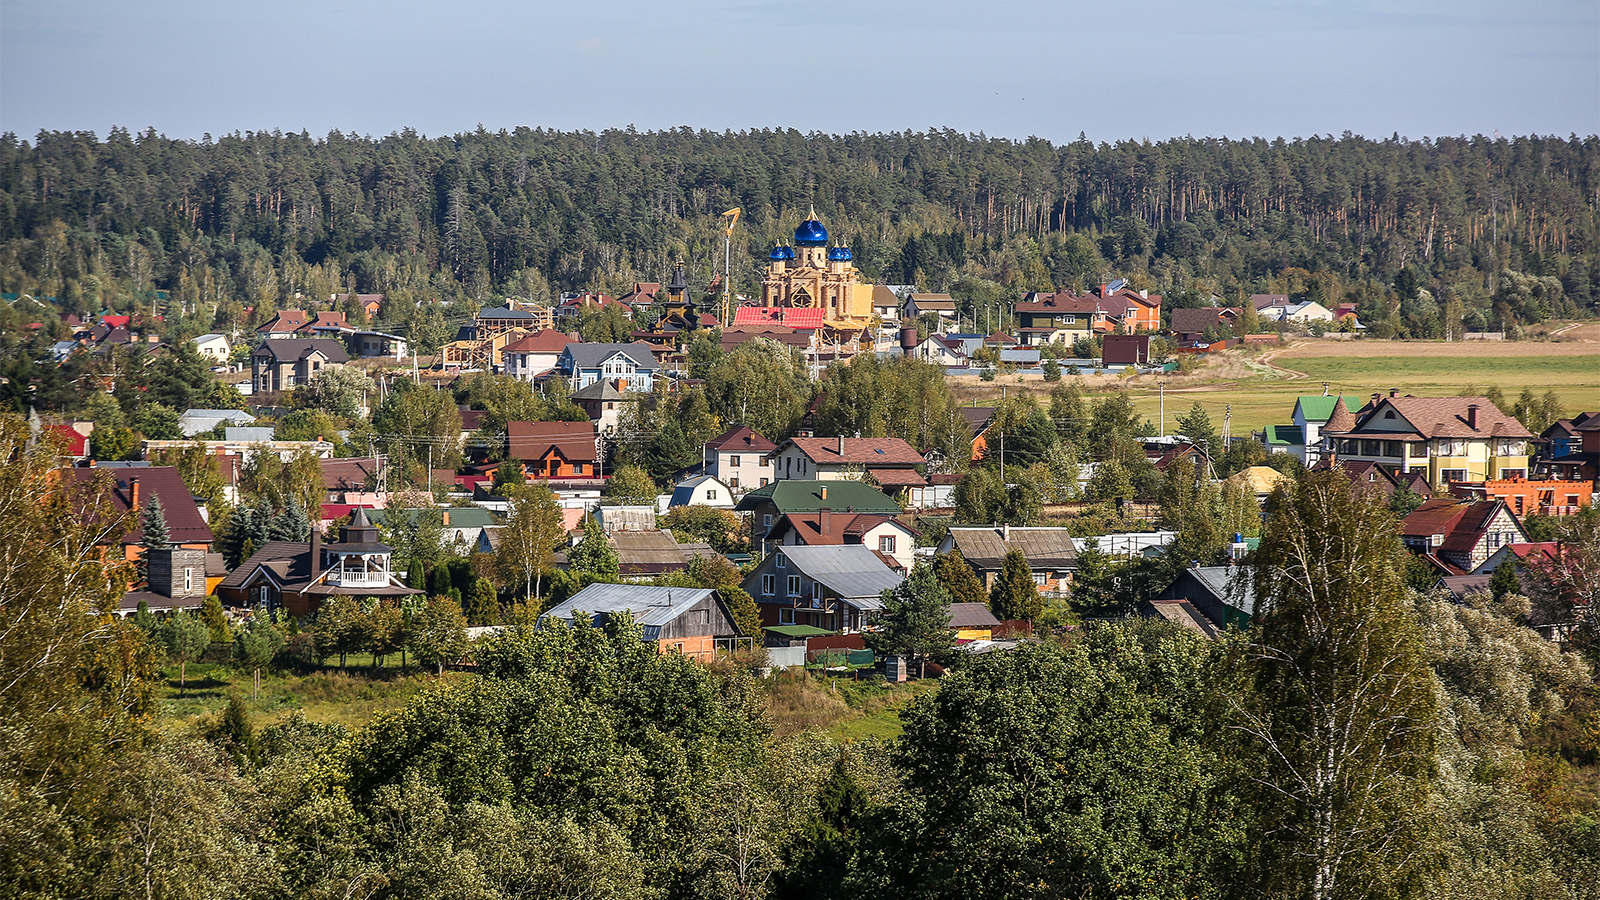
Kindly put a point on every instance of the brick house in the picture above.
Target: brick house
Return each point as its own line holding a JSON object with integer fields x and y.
{"x": 555, "y": 449}
{"x": 279, "y": 365}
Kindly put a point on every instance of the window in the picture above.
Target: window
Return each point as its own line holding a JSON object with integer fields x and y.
{"x": 769, "y": 584}
{"x": 1388, "y": 414}
{"x": 1071, "y": 320}
{"x": 188, "y": 579}
{"x": 711, "y": 494}
{"x": 816, "y": 594}
{"x": 794, "y": 585}
{"x": 1039, "y": 578}
{"x": 886, "y": 544}
{"x": 733, "y": 483}
{"x": 1454, "y": 474}
{"x": 577, "y": 468}
{"x": 766, "y": 521}
{"x": 763, "y": 483}
{"x": 786, "y": 616}
{"x": 733, "y": 461}
{"x": 781, "y": 562}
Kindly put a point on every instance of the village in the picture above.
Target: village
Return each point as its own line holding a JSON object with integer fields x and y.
{"x": 783, "y": 543}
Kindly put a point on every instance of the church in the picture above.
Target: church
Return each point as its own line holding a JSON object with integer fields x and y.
{"x": 812, "y": 285}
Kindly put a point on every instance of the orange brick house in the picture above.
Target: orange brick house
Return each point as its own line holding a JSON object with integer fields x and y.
{"x": 129, "y": 489}
{"x": 555, "y": 449}
{"x": 1526, "y": 498}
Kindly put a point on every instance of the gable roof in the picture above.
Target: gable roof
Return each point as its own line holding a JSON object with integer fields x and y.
{"x": 741, "y": 439}
{"x": 648, "y": 552}
{"x": 972, "y": 615}
{"x": 648, "y": 604}
{"x": 296, "y": 349}
{"x": 850, "y": 570}
{"x": 779, "y": 315}
{"x": 843, "y": 528}
{"x": 347, "y": 474}
{"x": 287, "y": 321}
{"x": 1196, "y": 320}
{"x": 545, "y": 340}
{"x": 184, "y": 522}
{"x": 984, "y": 547}
{"x": 1461, "y": 524}
{"x": 793, "y": 496}
{"x": 1436, "y": 417}
{"x": 505, "y": 313}
{"x": 591, "y": 356}
{"x": 871, "y": 452}
{"x": 532, "y": 440}
{"x": 1315, "y": 408}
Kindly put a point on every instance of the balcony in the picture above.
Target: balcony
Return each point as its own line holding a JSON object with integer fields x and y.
{"x": 358, "y": 578}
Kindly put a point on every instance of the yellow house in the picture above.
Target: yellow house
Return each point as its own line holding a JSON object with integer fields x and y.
{"x": 972, "y": 621}
{"x": 1450, "y": 439}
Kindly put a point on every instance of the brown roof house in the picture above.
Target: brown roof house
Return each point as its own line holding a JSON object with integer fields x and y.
{"x": 738, "y": 458}
{"x": 885, "y": 535}
{"x": 129, "y": 489}
{"x": 1450, "y": 439}
{"x": 558, "y": 450}
{"x": 890, "y": 461}
{"x": 646, "y": 554}
{"x": 1459, "y": 537}
{"x": 1052, "y": 555}
{"x": 297, "y": 577}
{"x": 280, "y": 365}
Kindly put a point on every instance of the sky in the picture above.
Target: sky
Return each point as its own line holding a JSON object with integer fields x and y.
{"x": 1113, "y": 70}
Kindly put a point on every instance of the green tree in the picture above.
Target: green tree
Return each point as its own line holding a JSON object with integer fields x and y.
{"x": 1341, "y": 707}
{"x": 1014, "y": 594}
{"x": 630, "y": 484}
{"x": 1191, "y": 506}
{"x": 958, "y": 579}
{"x": 216, "y": 622}
{"x": 482, "y": 606}
{"x": 593, "y": 556}
{"x": 534, "y": 526}
{"x": 184, "y": 639}
{"x": 1196, "y": 426}
{"x": 916, "y": 618}
{"x": 418, "y": 427}
{"x": 341, "y": 390}
{"x": 341, "y": 626}
{"x": 156, "y": 536}
{"x": 256, "y": 648}
{"x": 438, "y": 633}
{"x": 742, "y": 607}
{"x": 1503, "y": 582}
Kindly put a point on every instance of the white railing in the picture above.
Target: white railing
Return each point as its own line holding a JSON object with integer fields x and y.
{"x": 359, "y": 579}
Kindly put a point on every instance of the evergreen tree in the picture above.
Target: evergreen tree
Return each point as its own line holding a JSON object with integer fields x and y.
{"x": 742, "y": 607}
{"x": 291, "y": 524}
{"x": 916, "y": 617}
{"x": 156, "y": 536}
{"x": 1196, "y": 426}
{"x": 211, "y": 614}
{"x": 1504, "y": 582}
{"x": 184, "y": 638}
{"x": 819, "y": 858}
{"x": 958, "y": 578}
{"x": 1092, "y": 586}
{"x": 1404, "y": 501}
{"x": 593, "y": 556}
{"x": 1014, "y": 595}
{"x": 483, "y": 607}
{"x": 1191, "y": 506}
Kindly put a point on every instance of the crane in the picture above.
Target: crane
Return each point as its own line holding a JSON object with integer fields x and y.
{"x": 732, "y": 216}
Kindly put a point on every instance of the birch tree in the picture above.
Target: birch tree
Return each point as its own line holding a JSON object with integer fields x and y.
{"x": 1341, "y": 703}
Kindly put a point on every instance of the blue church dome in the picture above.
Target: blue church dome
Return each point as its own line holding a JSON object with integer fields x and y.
{"x": 781, "y": 253}
{"x": 811, "y": 234}
{"x": 839, "y": 254}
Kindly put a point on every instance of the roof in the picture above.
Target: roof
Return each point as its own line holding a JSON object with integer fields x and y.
{"x": 647, "y": 552}
{"x": 808, "y": 526}
{"x": 870, "y": 452}
{"x": 590, "y": 356}
{"x": 939, "y": 302}
{"x": 1285, "y": 434}
{"x": 851, "y": 570}
{"x": 533, "y": 440}
{"x": 793, "y": 495}
{"x": 207, "y": 338}
{"x": 287, "y": 321}
{"x": 1183, "y": 614}
{"x": 779, "y": 315}
{"x": 194, "y": 421}
{"x": 972, "y": 615}
{"x": 977, "y": 418}
{"x": 184, "y": 523}
{"x": 1259, "y": 479}
{"x": 1198, "y": 319}
{"x": 648, "y": 604}
{"x": 1262, "y": 301}
{"x": 1435, "y": 417}
{"x": 460, "y": 516}
{"x": 1462, "y": 524}
{"x": 797, "y": 631}
{"x": 289, "y": 560}
{"x": 505, "y": 313}
{"x": 1460, "y": 586}
{"x": 1222, "y": 581}
{"x": 985, "y": 546}
{"x": 248, "y": 433}
{"x": 600, "y": 389}
{"x": 741, "y": 439}
{"x": 295, "y": 349}
{"x": 546, "y": 340}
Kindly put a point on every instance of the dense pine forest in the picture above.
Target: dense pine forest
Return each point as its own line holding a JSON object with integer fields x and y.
{"x": 1420, "y": 234}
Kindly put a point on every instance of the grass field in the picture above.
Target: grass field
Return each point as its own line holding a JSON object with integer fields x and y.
{"x": 349, "y": 697}
{"x": 1261, "y": 389}
{"x": 845, "y": 709}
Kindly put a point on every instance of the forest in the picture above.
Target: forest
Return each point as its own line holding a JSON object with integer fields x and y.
{"x": 1421, "y": 234}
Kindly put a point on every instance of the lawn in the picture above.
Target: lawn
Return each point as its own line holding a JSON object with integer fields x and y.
{"x": 844, "y": 709}
{"x": 349, "y": 696}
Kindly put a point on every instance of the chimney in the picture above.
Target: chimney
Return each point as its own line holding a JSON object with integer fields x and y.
{"x": 1005, "y": 531}
{"x": 1472, "y": 416}
{"x": 825, "y": 520}
{"x": 1394, "y": 392}
{"x": 133, "y": 493}
{"x": 446, "y": 514}
{"x": 824, "y": 492}
{"x": 1375, "y": 399}
{"x": 316, "y": 552}
{"x": 841, "y": 446}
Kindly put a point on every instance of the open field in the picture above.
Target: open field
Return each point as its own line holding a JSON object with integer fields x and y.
{"x": 350, "y": 697}
{"x": 1261, "y": 387}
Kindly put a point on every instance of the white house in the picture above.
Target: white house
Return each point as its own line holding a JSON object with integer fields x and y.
{"x": 702, "y": 490}
{"x": 738, "y": 458}
{"x": 214, "y": 347}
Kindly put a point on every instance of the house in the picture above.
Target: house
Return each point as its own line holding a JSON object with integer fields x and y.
{"x": 584, "y": 364}
{"x": 647, "y": 554}
{"x": 690, "y": 621}
{"x": 835, "y": 588}
{"x": 738, "y": 458}
{"x": 1052, "y": 555}
{"x": 1260, "y": 481}
{"x": 602, "y": 402}
{"x": 1223, "y": 594}
{"x": 1192, "y": 323}
{"x": 886, "y": 305}
{"x": 1459, "y": 537}
{"x": 1450, "y": 438}
{"x": 1521, "y": 554}
{"x": 702, "y": 490}
{"x": 1303, "y": 439}
{"x": 793, "y": 338}
{"x": 1266, "y": 303}
{"x": 1560, "y": 454}
{"x": 973, "y": 621}
{"x": 941, "y": 350}
{"x": 353, "y": 475}
{"x": 282, "y": 364}
{"x": 890, "y": 461}
{"x": 176, "y": 581}
{"x": 497, "y": 320}
{"x": 1125, "y": 349}
{"x": 1526, "y": 498}
{"x": 129, "y": 489}
{"x": 288, "y": 323}
{"x": 1304, "y": 312}
{"x": 555, "y": 449}
{"x": 74, "y": 437}
{"x": 893, "y": 540}
{"x": 1063, "y": 316}
{"x": 916, "y": 305}
{"x": 766, "y": 504}
{"x": 1373, "y": 476}
{"x": 375, "y": 344}
{"x": 200, "y": 421}
{"x": 370, "y": 304}
{"x": 534, "y": 354}
{"x": 978, "y": 419}
{"x": 214, "y": 347}
{"x": 298, "y": 577}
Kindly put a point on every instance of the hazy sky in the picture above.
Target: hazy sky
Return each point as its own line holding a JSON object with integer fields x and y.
{"x": 1014, "y": 68}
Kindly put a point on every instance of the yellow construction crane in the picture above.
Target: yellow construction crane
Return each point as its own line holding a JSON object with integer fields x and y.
{"x": 732, "y": 216}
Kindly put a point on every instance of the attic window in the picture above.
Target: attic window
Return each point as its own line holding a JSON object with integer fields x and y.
{"x": 1388, "y": 414}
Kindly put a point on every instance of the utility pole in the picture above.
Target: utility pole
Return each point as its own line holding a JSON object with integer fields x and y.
{"x": 1163, "y": 385}
{"x": 1002, "y": 436}
{"x": 727, "y": 264}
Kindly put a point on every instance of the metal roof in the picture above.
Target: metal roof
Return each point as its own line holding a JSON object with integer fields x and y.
{"x": 849, "y": 570}
{"x": 648, "y": 604}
